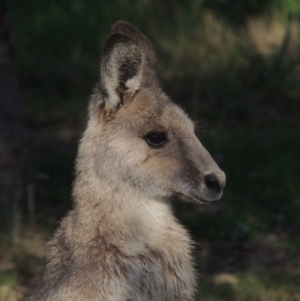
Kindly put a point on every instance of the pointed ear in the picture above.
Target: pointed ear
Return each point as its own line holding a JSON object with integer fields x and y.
{"x": 128, "y": 63}
{"x": 121, "y": 69}
{"x": 128, "y": 30}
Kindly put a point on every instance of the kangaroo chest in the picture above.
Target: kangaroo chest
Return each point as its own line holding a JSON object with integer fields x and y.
{"x": 159, "y": 276}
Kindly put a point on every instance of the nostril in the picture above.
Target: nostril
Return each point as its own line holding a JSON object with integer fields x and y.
{"x": 213, "y": 183}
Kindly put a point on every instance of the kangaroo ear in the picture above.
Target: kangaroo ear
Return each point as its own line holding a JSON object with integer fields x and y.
{"x": 128, "y": 62}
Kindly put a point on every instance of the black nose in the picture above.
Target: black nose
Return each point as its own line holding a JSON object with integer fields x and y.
{"x": 213, "y": 183}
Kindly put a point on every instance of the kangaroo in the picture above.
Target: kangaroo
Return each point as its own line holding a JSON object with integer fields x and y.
{"x": 121, "y": 241}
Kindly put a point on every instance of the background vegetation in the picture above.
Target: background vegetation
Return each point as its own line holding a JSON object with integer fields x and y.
{"x": 234, "y": 66}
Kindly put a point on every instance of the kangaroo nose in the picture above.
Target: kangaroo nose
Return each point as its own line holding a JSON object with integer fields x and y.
{"x": 213, "y": 183}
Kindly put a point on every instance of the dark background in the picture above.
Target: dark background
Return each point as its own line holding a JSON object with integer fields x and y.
{"x": 233, "y": 65}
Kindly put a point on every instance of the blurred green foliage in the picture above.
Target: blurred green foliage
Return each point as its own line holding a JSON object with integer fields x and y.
{"x": 237, "y": 11}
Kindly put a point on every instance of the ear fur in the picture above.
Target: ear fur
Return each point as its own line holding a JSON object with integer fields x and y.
{"x": 128, "y": 62}
{"x": 128, "y": 30}
{"x": 120, "y": 69}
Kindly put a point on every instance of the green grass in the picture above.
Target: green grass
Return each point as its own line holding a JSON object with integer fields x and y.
{"x": 251, "y": 286}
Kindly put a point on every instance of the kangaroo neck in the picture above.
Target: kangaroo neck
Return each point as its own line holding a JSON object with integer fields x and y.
{"x": 120, "y": 217}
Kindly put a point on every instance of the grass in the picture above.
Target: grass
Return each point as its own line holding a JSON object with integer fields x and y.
{"x": 20, "y": 264}
{"x": 251, "y": 286}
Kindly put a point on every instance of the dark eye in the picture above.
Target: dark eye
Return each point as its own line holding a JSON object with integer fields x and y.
{"x": 156, "y": 138}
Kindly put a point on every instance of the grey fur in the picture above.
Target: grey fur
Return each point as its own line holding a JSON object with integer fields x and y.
{"x": 121, "y": 241}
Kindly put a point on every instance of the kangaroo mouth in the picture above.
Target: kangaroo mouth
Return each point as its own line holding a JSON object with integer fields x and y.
{"x": 194, "y": 199}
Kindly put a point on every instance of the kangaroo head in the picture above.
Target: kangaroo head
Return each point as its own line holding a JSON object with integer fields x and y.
{"x": 140, "y": 138}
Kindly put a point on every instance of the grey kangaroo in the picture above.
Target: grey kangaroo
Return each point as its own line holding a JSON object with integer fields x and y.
{"x": 121, "y": 241}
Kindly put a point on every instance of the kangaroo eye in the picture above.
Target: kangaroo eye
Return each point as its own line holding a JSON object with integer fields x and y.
{"x": 156, "y": 139}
